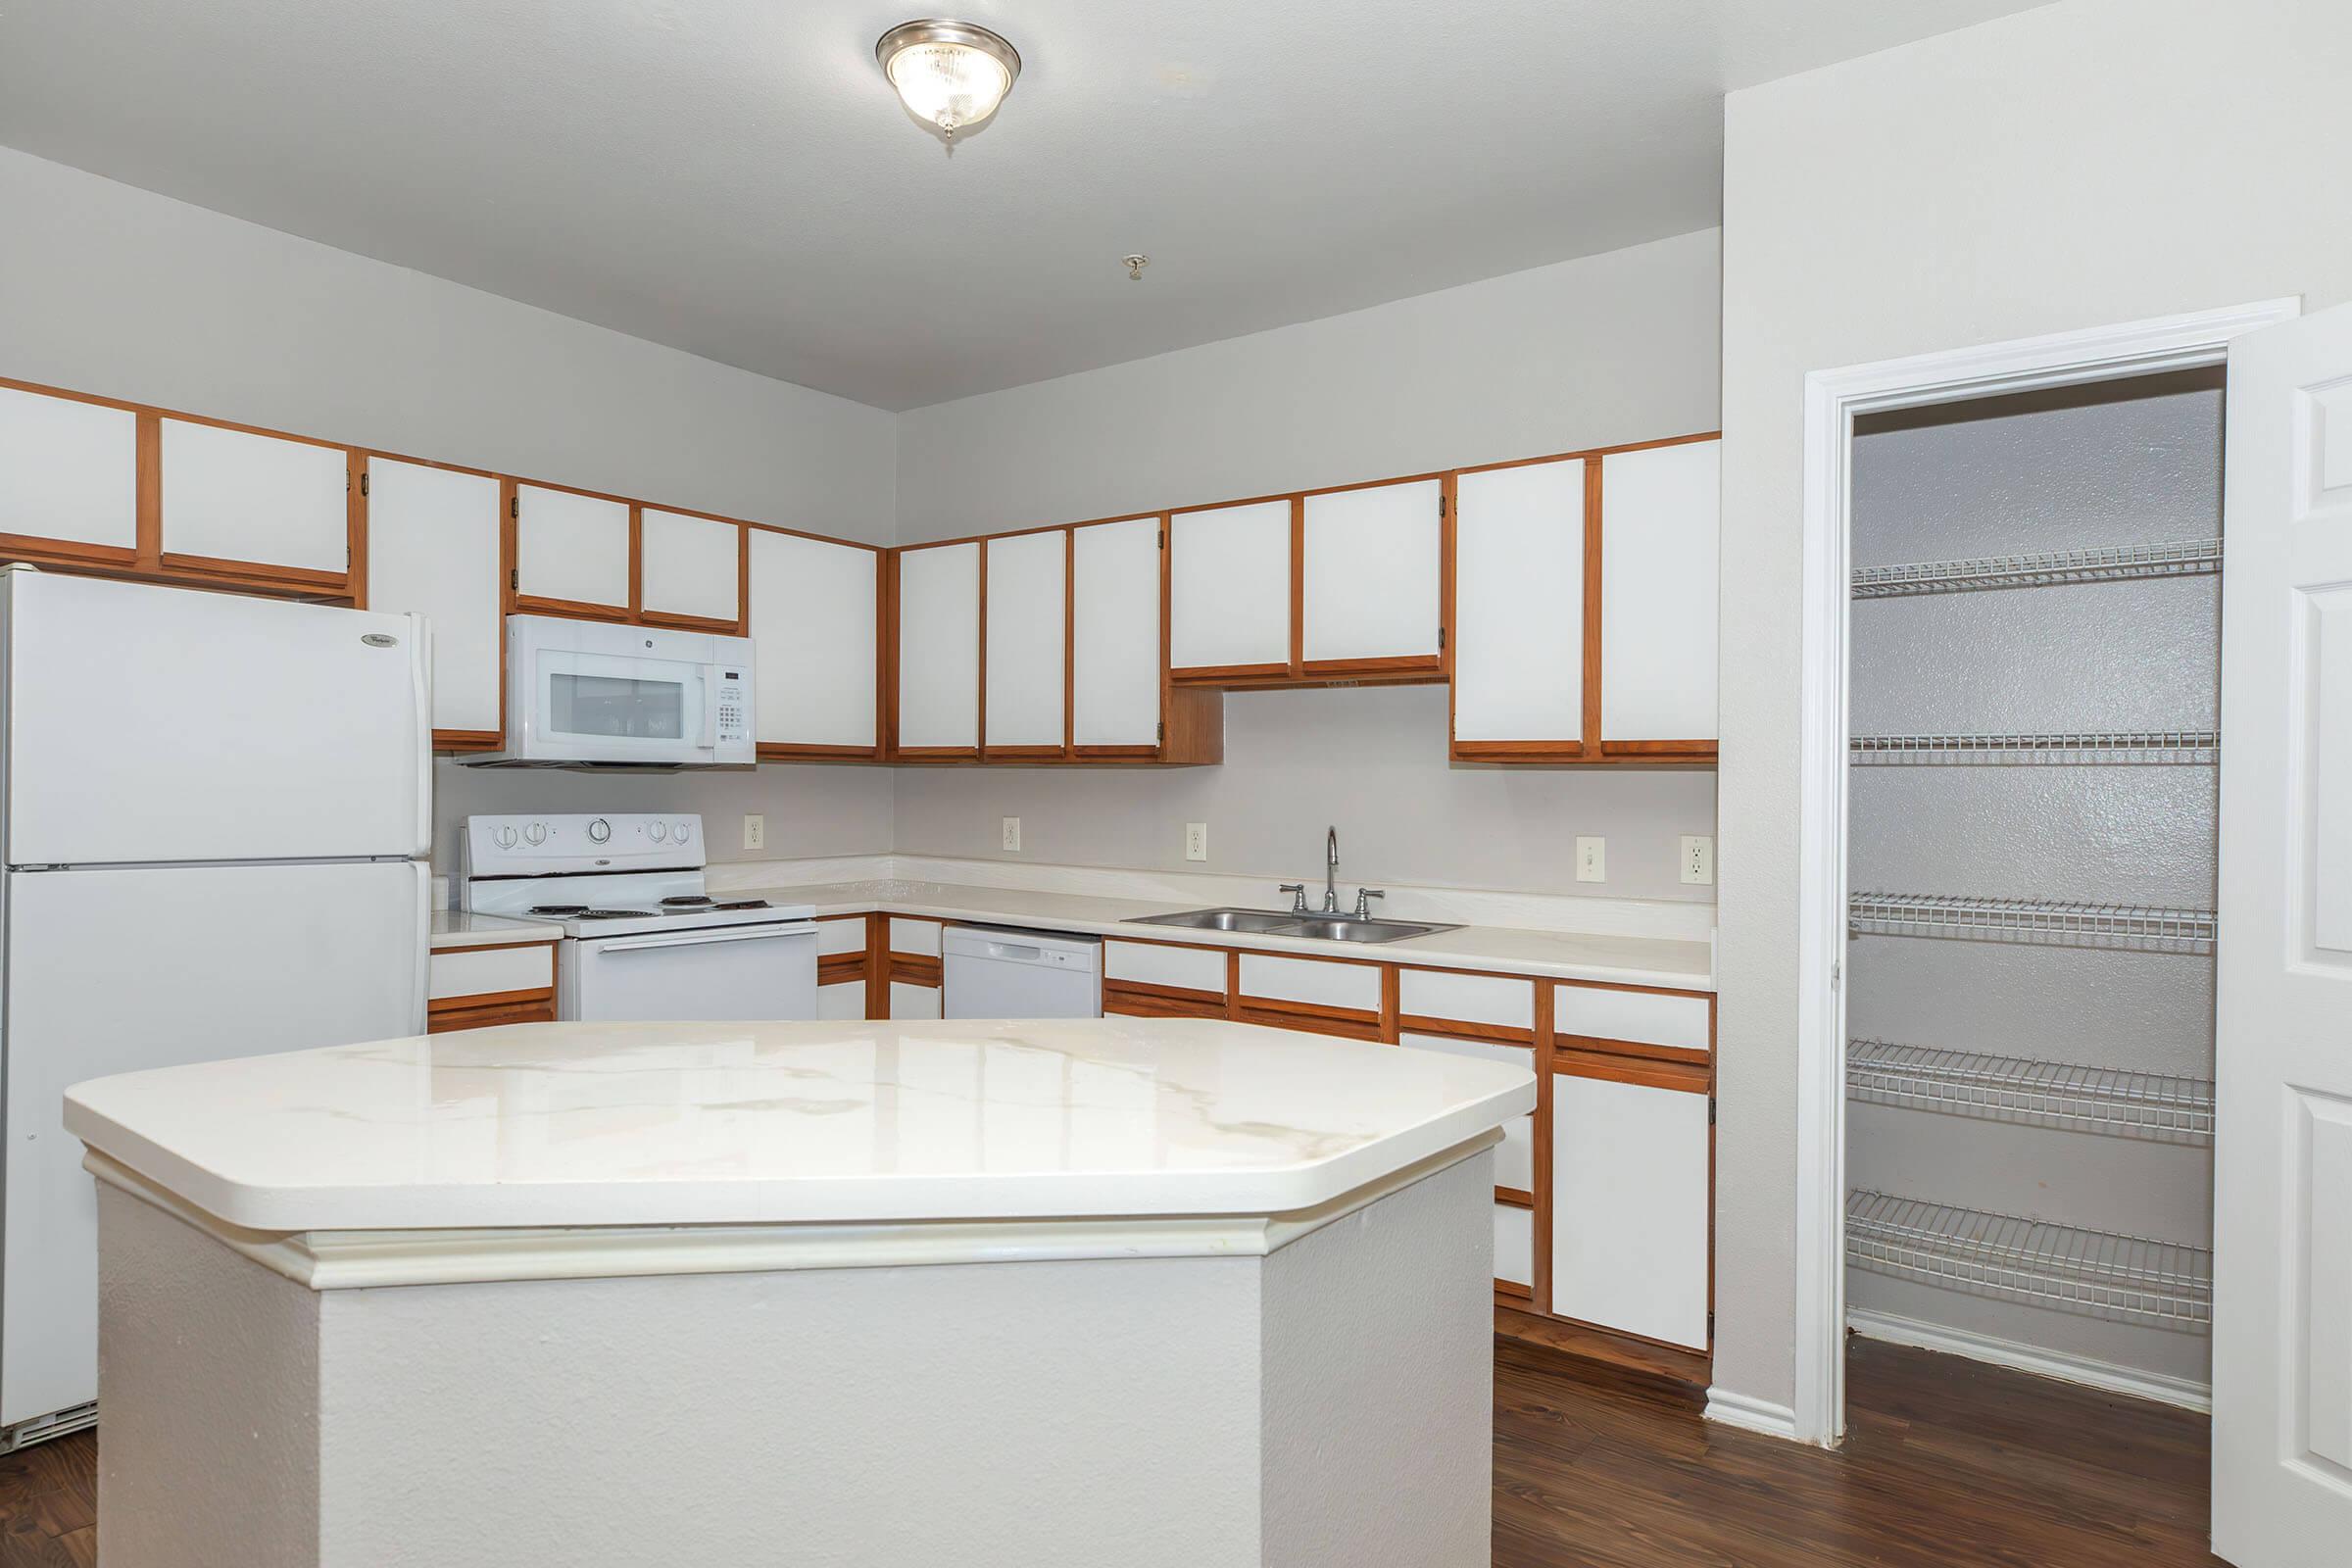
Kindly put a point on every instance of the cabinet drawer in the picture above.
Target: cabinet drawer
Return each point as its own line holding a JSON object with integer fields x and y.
{"x": 1147, "y": 964}
{"x": 843, "y": 933}
{"x": 1515, "y": 1155}
{"x": 844, "y": 1002}
{"x": 913, "y": 1002}
{"x": 1514, "y": 1246}
{"x": 1448, "y": 996}
{"x": 917, "y": 937}
{"x": 468, "y": 972}
{"x": 1315, "y": 982}
{"x": 1675, "y": 1023}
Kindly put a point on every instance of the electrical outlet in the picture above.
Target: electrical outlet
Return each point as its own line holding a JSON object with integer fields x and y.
{"x": 1592, "y": 859}
{"x": 1699, "y": 857}
{"x": 1195, "y": 841}
{"x": 754, "y": 831}
{"x": 1012, "y": 832}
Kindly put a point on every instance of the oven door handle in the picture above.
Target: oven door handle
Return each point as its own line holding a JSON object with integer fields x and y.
{"x": 697, "y": 938}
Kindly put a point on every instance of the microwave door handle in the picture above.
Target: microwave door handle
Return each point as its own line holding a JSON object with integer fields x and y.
{"x": 711, "y": 708}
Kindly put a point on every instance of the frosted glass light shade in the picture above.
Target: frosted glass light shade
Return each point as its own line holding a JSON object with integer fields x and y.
{"x": 951, "y": 75}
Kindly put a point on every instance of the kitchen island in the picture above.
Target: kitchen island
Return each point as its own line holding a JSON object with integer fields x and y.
{"x": 1135, "y": 1290}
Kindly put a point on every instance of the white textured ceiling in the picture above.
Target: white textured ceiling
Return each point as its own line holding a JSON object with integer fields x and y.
{"x": 734, "y": 178}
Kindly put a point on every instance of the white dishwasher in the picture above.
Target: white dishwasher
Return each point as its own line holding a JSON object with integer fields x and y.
{"x": 1004, "y": 972}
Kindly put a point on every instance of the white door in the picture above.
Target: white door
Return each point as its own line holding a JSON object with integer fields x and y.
{"x": 1370, "y": 589}
{"x": 813, "y": 630}
{"x": 68, "y": 470}
{"x": 572, "y": 549}
{"x": 232, "y": 495}
{"x": 1660, "y": 521}
{"x": 938, "y": 647}
{"x": 688, "y": 566}
{"x": 1229, "y": 587}
{"x": 148, "y": 723}
{"x": 124, "y": 969}
{"x": 1519, "y": 604}
{"x": 1028, "y": 638}
{"x": 432, "y": 550}
{"x": 1114, "y": 633}
{"x": 2283, "y": 1180}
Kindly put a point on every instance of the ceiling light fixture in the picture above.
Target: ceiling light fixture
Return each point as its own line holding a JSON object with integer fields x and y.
{"x": 949, "y": 74}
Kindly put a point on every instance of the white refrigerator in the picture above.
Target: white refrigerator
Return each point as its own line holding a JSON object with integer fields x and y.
{"x": 215, "y": 812}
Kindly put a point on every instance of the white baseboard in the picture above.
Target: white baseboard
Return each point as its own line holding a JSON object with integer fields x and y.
{"x": 2161, "y": 1387}
{"x": 1751, "y": 1414}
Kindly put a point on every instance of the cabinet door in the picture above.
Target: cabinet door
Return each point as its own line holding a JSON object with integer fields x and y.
{"x": 913, "y": 1000}
{"x": 1660, "y": 520}
{"x": 1370, "y": 592}
{"x": 571, "y": 552}
{"x": 1028, "y": 641}
{"x": 259, "y": 500}
{"x": 939, "y": 648}
{"x": 1629, "y": 1207}
{"x": 69, "y": 471}
{"x": 688, "y": 569}
{"x": 813, "y": 630}
{"x": 1519, "y": 608}
{"x": 1114, "y": 674}
{"x": 432, "y": 548}
{"x": 1229, "y": 589}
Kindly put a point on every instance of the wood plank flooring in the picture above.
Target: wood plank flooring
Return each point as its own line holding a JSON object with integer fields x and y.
{"x": 1948, "y": 1464}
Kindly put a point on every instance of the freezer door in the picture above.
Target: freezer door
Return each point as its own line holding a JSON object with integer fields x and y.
{"x": 117, "y": 970}
{"x": 147, "y": 723}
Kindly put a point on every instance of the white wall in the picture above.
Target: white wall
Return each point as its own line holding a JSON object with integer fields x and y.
{"x": 2094, "y": 161}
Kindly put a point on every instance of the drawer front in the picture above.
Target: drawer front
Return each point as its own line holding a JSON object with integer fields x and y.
{"x": 844, "y": 1002}
{"x": 1676, "y": 1020}
{"x": 491, "y": 972}
{"x": 844, "y": 933}
{"x": 915, "y": 936}
{"x": 1452, "y": 997}
{"x": 1515, "y": 1155}
{"x": 1514, "y": 1246}
{"x": 1311, "y": 981}
{"x": 1147, "y": 964}
{"x": 913, "y": 1002}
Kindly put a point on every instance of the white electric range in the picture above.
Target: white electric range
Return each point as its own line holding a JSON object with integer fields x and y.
{"x": 645, "y": 940}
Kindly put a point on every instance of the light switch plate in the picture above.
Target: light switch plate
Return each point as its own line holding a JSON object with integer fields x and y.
{"x": 1592, "y": 859}
{"x": 1195, "y": 841}
{"x": 1698, "y": 859}
{"x": 1012, "y": 832}
{"x": 754, "y": 831}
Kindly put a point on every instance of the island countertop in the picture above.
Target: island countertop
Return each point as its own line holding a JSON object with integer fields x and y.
{"x": 633, "y": 1124}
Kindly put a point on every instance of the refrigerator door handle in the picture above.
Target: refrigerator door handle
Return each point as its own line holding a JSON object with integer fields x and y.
{"x": 420, "y": 682}
{"x": 421, "y": 997}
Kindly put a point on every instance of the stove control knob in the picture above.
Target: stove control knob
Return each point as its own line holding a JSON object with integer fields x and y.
{"x": 682, "y": 831}
{"x": 599, "y": 831}
{"x": 658, "y": 832}
{"x": 535, "y": 834}
{"x": 505, "y": 837}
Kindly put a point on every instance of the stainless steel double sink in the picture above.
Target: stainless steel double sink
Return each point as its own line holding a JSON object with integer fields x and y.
{"x": 1289, "y": 923}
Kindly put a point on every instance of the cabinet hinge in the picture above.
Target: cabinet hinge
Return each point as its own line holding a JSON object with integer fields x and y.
{"x": 513, "y": 577}
{"x": 1710, "y": 1110}
{"x": 363, "y": 481}
{"x": 1163, "y": 538}
{"x": 1440, "y": 639}
{"x": 1441, "y": 503}
{"x": 514, "y": 506}
{"x": 1163, "y": 732}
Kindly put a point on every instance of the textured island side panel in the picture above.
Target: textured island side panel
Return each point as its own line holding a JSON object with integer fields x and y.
{"x": 1377, "y": 1366}
{"x": 207, "y": 1375}
{"x": 1023, "y": 1415}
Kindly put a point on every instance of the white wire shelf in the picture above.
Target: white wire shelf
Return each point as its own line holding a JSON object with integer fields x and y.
{"x": 2041, "y": 1094}
{"x": 2181, "y": 558}
{"x": 2040, "y": 921}
{"x": 2125, "y": 1279}
{"x": 2109, "y": 748}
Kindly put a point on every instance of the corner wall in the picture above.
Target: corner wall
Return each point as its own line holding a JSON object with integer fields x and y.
{"x": 2096, "y": 161}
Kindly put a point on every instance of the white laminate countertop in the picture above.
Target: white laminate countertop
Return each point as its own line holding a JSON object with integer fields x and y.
{"x": 1554, "y": 954}
{"x": 572, "y": 1124}
{"x": 458, "y": 928}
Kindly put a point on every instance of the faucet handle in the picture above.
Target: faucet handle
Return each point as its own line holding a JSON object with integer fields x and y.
{"x": 1363, "y": 901}
{"x": 1298, "y": 892}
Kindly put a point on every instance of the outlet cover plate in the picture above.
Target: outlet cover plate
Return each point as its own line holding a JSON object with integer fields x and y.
{"x": 1592, "y": 859}
{"x": 1012, "y": 833}
{"x": 1698, "y": 859}
{"x": 754, "y": 831}
{"x": 1195, "y": 841}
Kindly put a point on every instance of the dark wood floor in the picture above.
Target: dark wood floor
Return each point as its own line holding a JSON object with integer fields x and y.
{"x": 1948, "y": 1464}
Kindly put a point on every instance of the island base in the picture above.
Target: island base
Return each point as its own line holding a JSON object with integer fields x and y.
{"x": 1156, "y": 1392}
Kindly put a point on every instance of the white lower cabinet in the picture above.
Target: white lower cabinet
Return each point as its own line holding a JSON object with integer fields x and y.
{"x": 841, "y": 1002}
{"x": 913, "y": 1000}
{"x": 1629, "y": 1207}
{"x": 1514, "y": 1246}
{"x": 1515, "y": 1155}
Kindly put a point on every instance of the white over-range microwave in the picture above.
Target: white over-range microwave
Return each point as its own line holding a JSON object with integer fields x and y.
{"x": 589, "y": 693}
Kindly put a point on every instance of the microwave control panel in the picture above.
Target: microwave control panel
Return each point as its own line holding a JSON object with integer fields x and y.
{"x": 734, "y": 706}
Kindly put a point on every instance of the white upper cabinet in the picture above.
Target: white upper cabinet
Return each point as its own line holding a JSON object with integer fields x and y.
{"x": 232, "y": 495}
{"x": 1519, "y": 604}
{"x": 1371, "y": 581}
{"x": 1229, "y": 586}
{"x": 688, "y": 566}
{"x": 812, "y": 629}
{"x": 938, "y": 647}
{"x": 1115, "y": 634}
{"x": 68, "y": 470}
{"x": 1028, "y": 643}
{"x": 570, "y": 548}
{"x": 1660, "y": 519}
{"x": 432, "y": 549}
